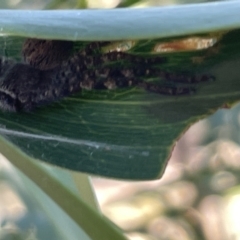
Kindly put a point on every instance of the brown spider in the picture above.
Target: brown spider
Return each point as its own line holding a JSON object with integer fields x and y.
{"x": 50, "y": 73}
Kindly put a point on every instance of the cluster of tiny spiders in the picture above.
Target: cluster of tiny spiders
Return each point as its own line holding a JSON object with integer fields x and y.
{"x": 49, "y": 72}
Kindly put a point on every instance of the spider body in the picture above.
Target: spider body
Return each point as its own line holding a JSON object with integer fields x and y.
{"x": 49, "y": 75}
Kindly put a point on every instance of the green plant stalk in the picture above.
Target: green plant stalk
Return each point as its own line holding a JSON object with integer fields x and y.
{"x": 85, "y": 189}
{"x": 94, "y": 224}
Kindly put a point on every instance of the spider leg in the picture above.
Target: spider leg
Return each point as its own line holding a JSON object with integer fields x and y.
{"x": 186, "y": 77}
{"x": 111, "y": 57}
{"x": 168, "y": 90}
{"x": 8, "y": 102}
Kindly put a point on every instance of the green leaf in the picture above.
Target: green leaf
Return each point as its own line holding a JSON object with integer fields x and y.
{"x": 121, "y": 24}
{"x": 126, "y": 133}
